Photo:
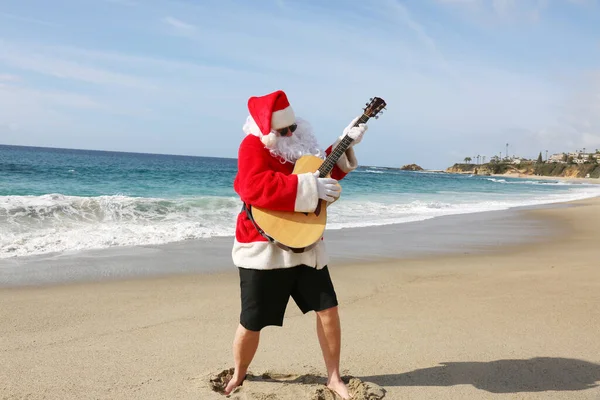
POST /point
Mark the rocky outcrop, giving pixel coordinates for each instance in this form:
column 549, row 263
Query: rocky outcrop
column 411, row 167
column 531, row 169
column 471, row 169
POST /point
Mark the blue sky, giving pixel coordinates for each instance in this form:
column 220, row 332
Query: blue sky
column 461, row 77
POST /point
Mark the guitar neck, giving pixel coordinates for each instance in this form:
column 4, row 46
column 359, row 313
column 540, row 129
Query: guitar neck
column 333, row 157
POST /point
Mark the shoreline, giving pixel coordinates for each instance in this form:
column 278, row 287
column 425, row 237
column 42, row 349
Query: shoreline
column 594, row 181
column 405, row 216
column 516, row 322
column 469, row 233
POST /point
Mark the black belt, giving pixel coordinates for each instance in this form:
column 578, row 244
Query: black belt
column 248, row 211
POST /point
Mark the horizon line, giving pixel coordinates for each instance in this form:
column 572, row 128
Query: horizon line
column 153, row 154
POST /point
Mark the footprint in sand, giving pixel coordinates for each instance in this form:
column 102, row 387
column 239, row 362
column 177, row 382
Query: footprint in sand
column 273, row 386
column 218, row 382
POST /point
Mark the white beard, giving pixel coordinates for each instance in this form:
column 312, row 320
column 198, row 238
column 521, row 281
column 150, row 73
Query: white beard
column 289, row 148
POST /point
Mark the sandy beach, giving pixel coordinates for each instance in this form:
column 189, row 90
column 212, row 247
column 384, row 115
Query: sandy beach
column 516, row 321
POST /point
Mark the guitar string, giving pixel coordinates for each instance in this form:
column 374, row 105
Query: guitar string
column 331, row 160
column 341, row 148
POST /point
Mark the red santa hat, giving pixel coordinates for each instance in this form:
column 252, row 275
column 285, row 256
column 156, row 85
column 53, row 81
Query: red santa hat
column 271, row 112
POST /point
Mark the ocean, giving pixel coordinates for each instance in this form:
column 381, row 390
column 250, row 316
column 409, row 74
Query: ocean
column 57, row 200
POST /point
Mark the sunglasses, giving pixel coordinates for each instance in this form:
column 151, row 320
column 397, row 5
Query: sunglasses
column 287, row 129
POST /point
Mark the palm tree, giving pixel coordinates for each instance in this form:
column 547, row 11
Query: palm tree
column 467, row 159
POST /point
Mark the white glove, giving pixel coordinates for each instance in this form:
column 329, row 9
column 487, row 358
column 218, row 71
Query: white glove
column 327, row 188
column 355, row 132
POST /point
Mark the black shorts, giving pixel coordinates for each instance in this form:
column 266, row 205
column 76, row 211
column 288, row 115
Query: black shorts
column 265, row 293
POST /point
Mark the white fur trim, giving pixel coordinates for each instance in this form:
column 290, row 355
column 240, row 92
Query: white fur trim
column 250, row 127
column 283, row 118
column 307, row 195
column 347, row 162
column 265, row 255
column 269, row 140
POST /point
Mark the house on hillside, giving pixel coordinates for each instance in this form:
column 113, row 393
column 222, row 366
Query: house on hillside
column 557, row 158
column 583, row 158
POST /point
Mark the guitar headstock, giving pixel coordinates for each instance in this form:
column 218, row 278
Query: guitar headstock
column 375, row 107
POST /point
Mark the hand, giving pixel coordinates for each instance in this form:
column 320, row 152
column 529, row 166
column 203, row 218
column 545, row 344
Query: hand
column 355, row 132
column 327, row 188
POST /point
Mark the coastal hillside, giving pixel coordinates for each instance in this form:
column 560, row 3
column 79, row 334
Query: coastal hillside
column 539, row 169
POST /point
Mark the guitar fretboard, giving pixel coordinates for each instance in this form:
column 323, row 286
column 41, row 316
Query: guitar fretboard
column 333, row 157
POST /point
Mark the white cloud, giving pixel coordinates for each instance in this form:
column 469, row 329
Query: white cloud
column 582, row 111
column 405, row 17
column 503, row 7
column 36, row 61
column 23, row 112
column 9, row 127
column 576, row 123
column 179, row 27
column 526, row 10
column 56, row 98
column 9, row 78
column 28, row 20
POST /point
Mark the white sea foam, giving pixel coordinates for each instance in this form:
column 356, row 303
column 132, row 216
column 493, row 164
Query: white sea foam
column 539, row 182
column 56, row 223
column 50, row 223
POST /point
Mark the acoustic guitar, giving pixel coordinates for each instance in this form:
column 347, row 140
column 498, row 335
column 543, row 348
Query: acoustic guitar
column 298, row 231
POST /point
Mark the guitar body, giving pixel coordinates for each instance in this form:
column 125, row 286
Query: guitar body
column 295, row 229
column 298, row 230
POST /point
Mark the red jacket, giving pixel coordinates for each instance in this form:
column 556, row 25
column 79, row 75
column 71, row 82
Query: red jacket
column 267, row 182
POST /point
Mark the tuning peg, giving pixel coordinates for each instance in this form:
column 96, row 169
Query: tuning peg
column 377, row 117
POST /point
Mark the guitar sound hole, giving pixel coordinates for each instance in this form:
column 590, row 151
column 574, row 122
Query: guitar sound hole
column 318, row 209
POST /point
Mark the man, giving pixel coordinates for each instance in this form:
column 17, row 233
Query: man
column 269, row 275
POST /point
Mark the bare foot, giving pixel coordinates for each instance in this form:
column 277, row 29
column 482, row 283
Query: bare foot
column 233, row 383
column 339, row 387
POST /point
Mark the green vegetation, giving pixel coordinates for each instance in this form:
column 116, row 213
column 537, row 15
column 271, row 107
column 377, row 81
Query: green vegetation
column 497, row 167
column 592, row 169
column 550, row 169
column 464, row 167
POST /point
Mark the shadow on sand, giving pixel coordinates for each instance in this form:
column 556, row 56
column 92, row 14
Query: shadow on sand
column 503, row 376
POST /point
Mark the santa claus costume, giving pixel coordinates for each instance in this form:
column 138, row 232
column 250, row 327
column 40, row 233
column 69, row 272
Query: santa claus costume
column 269, row 274
column 264, row 179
